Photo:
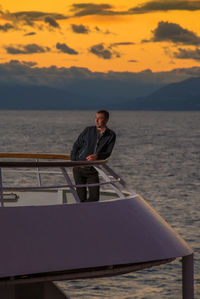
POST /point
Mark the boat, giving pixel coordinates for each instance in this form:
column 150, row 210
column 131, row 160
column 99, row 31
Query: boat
column 48, row 235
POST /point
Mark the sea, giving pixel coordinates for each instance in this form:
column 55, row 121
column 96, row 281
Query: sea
column 158, row 154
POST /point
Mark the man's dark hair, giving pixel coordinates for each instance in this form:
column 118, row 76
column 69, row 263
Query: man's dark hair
column 105, row 113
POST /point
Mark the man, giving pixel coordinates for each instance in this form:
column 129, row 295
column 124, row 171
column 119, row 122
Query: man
column 94, row 143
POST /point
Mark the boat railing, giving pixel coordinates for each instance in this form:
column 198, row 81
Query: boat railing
column 56, row 164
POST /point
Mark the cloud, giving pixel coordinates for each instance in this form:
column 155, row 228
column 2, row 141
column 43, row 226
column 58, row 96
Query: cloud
column 29, row 63
column 100, row 51
column 133, row 60
column 29, row 33
column 85, row 9
column 187, row 54
column 65, row 49
column 80, row 29
column 27, row 49
column 97, row 29
column 6, row 27
column 51, row 21
column 30, row 18
column 34, row 15
column 165, row 5
column 173, row 32
column 91, row 83
column 107, row 52
column 122, row 44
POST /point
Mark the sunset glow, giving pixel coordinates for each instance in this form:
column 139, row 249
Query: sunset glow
column 110, row 35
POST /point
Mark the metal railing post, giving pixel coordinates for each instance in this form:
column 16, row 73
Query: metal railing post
column 1, row 189
column 116, row 176
column 70, row 184
column 107, row 179
column 38, row 175
column 188, row 277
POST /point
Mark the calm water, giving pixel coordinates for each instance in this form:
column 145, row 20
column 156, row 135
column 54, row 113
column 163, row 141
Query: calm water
column 158, row 153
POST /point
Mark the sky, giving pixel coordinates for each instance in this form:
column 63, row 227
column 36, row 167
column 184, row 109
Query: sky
column 101, row 36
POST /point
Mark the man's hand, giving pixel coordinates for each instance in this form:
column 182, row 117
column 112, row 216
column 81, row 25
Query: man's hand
column 92, row 157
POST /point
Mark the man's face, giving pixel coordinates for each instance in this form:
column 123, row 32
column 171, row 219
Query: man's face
column 100, row 120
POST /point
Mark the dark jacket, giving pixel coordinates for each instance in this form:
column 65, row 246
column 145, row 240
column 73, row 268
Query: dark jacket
column 88, row 143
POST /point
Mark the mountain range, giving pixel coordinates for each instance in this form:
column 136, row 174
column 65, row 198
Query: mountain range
column 184, row 95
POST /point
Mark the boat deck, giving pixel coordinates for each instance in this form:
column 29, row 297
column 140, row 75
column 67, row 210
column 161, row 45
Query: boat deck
column 52, row 236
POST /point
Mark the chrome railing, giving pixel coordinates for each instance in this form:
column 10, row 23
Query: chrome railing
column 38, row 167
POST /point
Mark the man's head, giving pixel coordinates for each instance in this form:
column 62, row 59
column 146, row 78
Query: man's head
column 102, row 117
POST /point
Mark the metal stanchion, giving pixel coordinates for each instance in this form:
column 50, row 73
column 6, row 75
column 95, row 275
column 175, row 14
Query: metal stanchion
column 1, row 189
column 188, row 277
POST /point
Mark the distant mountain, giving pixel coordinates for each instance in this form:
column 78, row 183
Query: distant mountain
column 80, row 94
column 34, row 97
column 22, row 97
column 184, row 95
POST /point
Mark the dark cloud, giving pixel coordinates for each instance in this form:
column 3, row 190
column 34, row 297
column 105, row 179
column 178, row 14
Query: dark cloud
column 51, row 21
column 122, row 44
column 65, row 49
column 84, row 9
column 103, row 84
column 29, row 18
column 100, row 51
column 133, row 60
column 173, row 32
column 29, row 33
column 165, row 5
column 35, row 15
column 97, row 29
column 27, row 49
column 187, row 54
column 29, row 63
column 80, row 29
column 6, row 27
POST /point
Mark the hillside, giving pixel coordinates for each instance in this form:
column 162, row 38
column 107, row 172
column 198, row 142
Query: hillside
column 184, row 95
column 177, row 96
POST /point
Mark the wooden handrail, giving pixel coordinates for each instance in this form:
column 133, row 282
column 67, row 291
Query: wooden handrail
column 35, row 156
column 38, row 156
column 60, row 164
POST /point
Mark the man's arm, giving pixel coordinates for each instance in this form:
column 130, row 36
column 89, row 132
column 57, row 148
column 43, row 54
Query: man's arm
column 106, row 153
column 77, row 145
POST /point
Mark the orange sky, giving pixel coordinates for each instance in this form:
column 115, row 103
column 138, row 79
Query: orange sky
column 103, row 36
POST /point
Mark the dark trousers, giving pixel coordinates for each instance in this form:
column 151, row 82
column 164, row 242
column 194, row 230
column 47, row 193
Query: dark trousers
column 86, row 175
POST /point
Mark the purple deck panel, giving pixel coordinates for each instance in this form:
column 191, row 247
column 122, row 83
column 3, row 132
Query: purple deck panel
column 77, row 236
